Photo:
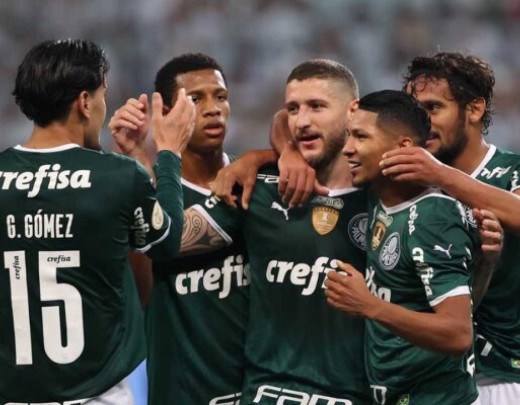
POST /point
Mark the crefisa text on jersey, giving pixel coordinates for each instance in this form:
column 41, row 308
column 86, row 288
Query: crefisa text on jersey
column 55, row 179
column 40, row 225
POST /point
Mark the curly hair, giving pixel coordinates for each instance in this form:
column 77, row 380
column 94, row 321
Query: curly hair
column 468, row 77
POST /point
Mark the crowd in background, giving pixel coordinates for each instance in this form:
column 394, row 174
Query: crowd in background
column 258, row 41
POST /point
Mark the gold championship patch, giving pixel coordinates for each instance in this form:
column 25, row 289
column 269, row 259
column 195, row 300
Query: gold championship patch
column 324, row 219
column 379, row 233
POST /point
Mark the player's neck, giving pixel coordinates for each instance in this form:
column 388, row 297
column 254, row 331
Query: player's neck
column 201, row 168
column 54, row 135
column 392, row 193
column 336, row 174
column 472, row 154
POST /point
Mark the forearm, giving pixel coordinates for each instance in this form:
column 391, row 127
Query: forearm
column 170, row 197
column 281, row 140
column 477, row 194
column 483, row 272
column 141, row 155
column 261, row 157
column 430, row 331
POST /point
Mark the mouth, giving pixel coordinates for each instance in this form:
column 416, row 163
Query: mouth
column 214, row 129
column 308, row 139
column 354, row 166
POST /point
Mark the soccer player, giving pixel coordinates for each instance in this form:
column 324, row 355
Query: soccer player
column 71, row 324
column 199, row 306
column 298, row 349
column 416, row 297
column 457, row 92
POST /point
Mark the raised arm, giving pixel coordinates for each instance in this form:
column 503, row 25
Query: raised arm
column 419, row 166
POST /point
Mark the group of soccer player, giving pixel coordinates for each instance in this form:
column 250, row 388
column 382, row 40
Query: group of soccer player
column 369, row 258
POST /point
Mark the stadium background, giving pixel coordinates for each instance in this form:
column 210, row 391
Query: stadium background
column 257, row 42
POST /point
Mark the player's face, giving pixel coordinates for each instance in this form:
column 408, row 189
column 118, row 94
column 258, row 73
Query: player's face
column 97, row 117
column 365, row 146
column 448, row 135
column 317, row 111
column 209, row 93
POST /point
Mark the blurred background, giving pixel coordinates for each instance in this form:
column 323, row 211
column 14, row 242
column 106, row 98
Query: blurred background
column 258, row 42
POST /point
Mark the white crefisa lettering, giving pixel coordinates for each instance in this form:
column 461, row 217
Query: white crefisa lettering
column 233, row 273
column 287, row 396
column 425, row 271
column 46, row 177
column 411, row 220
column 496, row 172
column 232, row 399
column 140, row 228
column 300, row 274
column 381, row 292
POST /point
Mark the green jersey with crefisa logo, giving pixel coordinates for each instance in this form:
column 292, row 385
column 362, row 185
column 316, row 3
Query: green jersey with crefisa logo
column 196, row 323
column 299, row 348
column 71, row 324
column 419, row 254
column 497, row 318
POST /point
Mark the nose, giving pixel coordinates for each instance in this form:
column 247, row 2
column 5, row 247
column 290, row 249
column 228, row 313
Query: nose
column 349, row 148
column 210, row 108
column 303, row 120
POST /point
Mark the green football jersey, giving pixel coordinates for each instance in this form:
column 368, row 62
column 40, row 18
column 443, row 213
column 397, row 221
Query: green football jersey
column 71, row 324
column 196, row 324
column 298, row 346
column 419, row 253
column 497, row 318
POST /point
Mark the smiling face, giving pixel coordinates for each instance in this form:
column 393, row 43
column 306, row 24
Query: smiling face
column 208, row 91
column 317, row 120
column 448, row 136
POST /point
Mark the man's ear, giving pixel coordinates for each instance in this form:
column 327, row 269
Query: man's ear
column 351, row 108
column 475, row 110
column 84, row 104
column 405, row 142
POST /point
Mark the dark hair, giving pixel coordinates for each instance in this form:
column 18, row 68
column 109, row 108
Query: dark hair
column 468, row 77
column 54, row 73
column 166, row 79
column 398, row 107
column 325, row 69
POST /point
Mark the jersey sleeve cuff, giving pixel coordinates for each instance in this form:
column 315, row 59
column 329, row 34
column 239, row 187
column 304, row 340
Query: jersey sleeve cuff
column 461, row 290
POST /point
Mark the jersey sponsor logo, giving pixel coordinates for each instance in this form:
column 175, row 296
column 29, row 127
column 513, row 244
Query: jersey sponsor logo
column 357, row 230
column 515, row 180
column 378, row 235
column 425, row 271
column 336, row 203
column 140, row 228
column 300, row 274
column 157, row 216
column 73, row 402
column 324, row 219
column 278, row 207
column 211, row 202
column 286, row 396
column 496, row 172
column 411, row 220
column 233, row 399
column 446, row 251
column 267, row 178
column 232, row 273
column 382, row 292
column 390, row 252
column 56, row 179
column 379, row 394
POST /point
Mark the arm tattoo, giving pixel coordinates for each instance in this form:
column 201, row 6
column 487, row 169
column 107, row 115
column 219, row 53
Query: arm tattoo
column 198, row 235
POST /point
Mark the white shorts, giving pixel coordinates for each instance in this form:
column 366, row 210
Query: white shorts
column 494, row 392
column 119, row 394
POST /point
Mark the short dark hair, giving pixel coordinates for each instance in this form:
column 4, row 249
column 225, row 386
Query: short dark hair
column 398, row 107
column 54, row 73
column 468, row 77
column 325, row 69
column 166, row 78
